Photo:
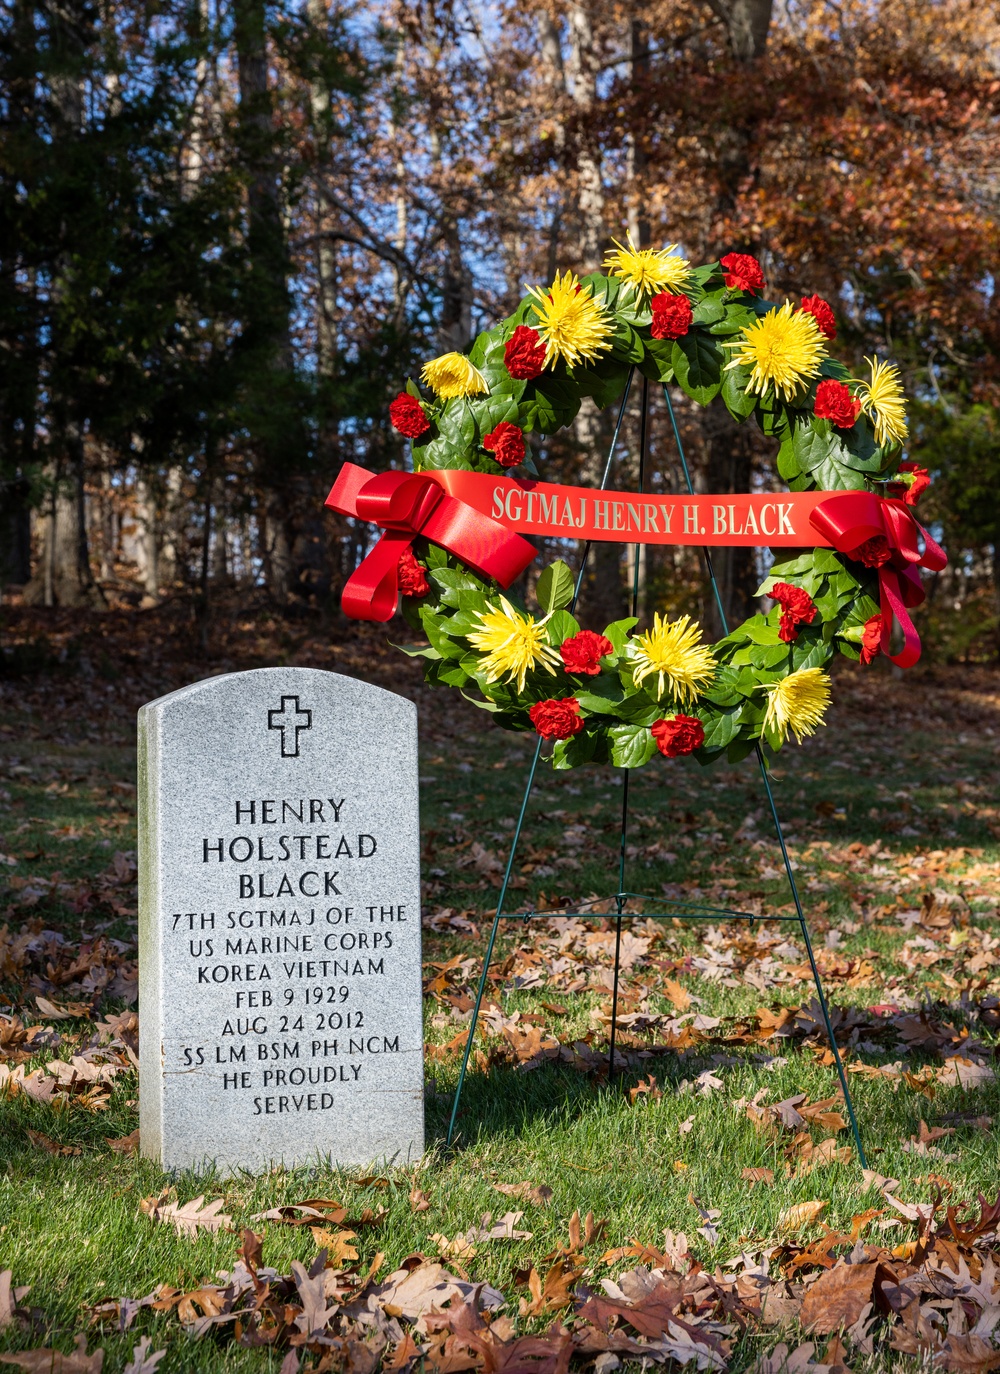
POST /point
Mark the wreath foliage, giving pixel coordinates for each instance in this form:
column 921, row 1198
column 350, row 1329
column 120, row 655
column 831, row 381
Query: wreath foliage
column 768, row 677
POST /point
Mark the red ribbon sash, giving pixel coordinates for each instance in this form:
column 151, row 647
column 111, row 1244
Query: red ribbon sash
column 407, row 504
column 474, row 516
column 849, row 520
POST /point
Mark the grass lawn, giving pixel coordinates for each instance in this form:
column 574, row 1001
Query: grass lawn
column 893, row 814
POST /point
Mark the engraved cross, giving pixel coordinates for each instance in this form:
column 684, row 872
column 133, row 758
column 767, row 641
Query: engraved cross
column 290, row 719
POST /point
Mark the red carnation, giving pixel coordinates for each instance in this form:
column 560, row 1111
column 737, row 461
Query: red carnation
column 679, row 735
column 871, row 639
column 582, row 653
column 873, row 552
column 557, row 719
column 524, row 353
column 911, row 491
column 835, row 402
column 823, row 311
column 506, row 443
column 410, row 576
column 407, row 416
column 671, row 316
column 797, row 608
column 742, row 272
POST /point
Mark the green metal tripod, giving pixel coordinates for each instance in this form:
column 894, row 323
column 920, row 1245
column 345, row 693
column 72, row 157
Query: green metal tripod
column 682, row 910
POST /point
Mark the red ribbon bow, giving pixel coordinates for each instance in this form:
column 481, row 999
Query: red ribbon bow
column 407, row 504
column 849, row 521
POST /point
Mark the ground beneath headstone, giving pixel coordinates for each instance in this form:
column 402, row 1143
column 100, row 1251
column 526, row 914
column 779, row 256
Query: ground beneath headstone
column 728, row 1215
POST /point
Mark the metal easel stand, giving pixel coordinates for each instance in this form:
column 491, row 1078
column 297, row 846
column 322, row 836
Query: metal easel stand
column 682, row 910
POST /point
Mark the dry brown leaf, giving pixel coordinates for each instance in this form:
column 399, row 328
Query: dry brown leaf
column 678, row 996
column 837, row 1298
column 142, row 1362
column 337, row 1245
column 315, row 1211
column 780, row 1361
column 646, row 1087
column 126, row 1144
column 188, row 1218
column 800, row 1217
column 10, row 1299
column 55, row 1362
column 555, row 1293
column 65, row 1011
column 51, row 1147
column 419, row 1200
column 540, row 1196
column 758, row 1175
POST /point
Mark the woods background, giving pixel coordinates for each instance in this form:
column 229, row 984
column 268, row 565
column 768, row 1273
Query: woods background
column 229, row 231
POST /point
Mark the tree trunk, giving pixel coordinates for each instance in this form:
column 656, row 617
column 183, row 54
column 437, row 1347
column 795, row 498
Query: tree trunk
column 280, row 441
column 730, row 456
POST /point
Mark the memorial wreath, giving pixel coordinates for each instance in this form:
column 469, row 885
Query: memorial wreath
column 846, row 544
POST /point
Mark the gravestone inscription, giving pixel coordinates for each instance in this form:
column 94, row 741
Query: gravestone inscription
column 279, row 923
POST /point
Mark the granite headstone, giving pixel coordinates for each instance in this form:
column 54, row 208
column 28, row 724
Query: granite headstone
column 279, row 923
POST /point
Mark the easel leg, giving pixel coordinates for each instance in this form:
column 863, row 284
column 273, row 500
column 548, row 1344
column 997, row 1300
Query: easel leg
column 803, row 926
column 492, row 942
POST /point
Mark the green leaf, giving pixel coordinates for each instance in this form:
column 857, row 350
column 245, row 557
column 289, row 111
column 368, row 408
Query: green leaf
column 658, row 364
column 604, row 381
column 787, row 463
column 436, row 628
column 626, row 344
column 722, row 728
column 554, row 588
column 710, row 309
column 441, row 453
column 697, row 361
column 821, row 454
column 571, row 753
column 618, row 632
column 549, row 403
column 416, row 650
column 631, row 745
column 561, row 626
column 738, row 401
column 603, row 696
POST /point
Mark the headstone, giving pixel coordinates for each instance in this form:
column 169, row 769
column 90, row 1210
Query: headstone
column 279, row 923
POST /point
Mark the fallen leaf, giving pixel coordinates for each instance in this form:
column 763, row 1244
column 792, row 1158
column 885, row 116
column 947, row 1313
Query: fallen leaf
column 337, row 1245
column 646, row 1087
column 55, row 1362
column 142, row 1362
column 540, row 1196
column 781, row 1362
column 959, row 1072
column 51, row 1147
column 678, row 996
column 419, row 1201
column 126, row 1144
column 800, row 1217
column 65, row 1011
column 758, row 1175
column 10, row 1298
column 187, row 1219
column 555, row 1292
column 315, row 1211
column 837, row 1298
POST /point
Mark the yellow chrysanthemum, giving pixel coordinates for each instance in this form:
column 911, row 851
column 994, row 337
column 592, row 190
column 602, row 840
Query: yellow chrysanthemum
column 513, row 644
column 453, row 375
column 573, row 325
column 673, row 650
column 798, row 703
column 785, row 349
column 882, row 399
column 649, row 270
